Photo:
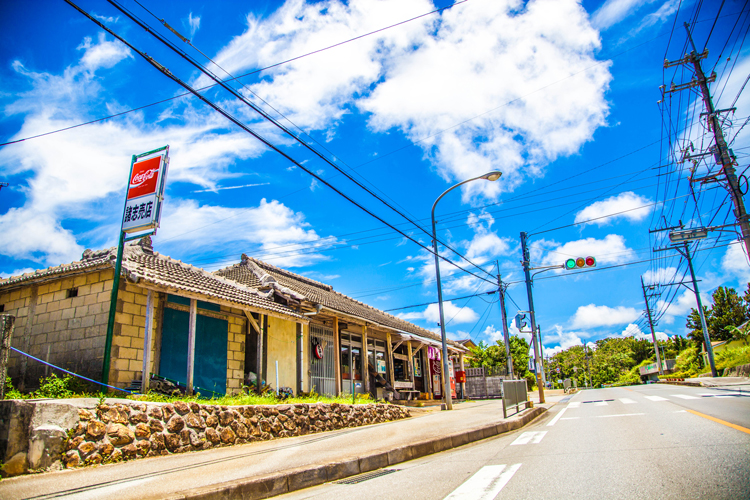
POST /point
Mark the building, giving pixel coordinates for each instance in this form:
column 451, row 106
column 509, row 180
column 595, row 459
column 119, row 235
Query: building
column 212, row 332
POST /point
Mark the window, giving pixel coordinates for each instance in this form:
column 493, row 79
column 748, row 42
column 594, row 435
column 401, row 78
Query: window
column 2, row 308
column 72, row 292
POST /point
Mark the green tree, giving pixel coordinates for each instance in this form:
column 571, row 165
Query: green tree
column 728, row 310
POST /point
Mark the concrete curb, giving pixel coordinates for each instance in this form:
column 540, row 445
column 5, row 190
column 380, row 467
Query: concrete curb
column 297, row 479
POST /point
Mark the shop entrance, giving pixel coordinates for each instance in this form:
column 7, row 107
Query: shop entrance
column 322, row 359
column 351, row 363
column 377, row 367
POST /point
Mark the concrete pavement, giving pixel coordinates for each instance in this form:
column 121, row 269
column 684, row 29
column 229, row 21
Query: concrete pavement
column 265, row 469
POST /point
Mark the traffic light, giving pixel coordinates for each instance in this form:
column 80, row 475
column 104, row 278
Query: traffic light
column 579, row 263
column 520, row 321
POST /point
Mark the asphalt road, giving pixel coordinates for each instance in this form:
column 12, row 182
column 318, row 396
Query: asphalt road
column 638, row 442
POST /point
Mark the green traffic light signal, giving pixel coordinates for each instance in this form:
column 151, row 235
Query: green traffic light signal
column 570, row 264
column 579, row 263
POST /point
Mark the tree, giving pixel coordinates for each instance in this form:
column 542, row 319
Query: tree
column 728, row 309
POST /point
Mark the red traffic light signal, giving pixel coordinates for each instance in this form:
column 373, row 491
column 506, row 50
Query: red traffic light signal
column 579, row 263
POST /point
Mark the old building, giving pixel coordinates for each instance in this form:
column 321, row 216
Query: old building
column 213, row 332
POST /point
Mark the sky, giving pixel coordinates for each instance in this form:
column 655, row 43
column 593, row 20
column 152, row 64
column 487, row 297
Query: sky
column 407, row 98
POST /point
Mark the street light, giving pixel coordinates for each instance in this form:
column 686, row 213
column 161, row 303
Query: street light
column 489, row 176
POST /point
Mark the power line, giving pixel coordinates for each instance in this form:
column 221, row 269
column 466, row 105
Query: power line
column 234, row 120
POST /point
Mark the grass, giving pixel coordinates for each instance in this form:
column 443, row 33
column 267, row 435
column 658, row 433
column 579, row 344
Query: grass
column 69, row 387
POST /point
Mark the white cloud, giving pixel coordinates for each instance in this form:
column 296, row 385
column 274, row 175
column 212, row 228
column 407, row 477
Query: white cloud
column 271, row 231
column 735, row 263
column 593, row 316
column 83, row 176
column 481, row 249
column 634, row 330
column 610, row 250
column 628, row 203
column 563, row 339
column 614, row 11
column 504, row 66
column 194, row 23
column 452, row 313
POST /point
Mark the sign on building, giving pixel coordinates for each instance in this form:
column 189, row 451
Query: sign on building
column 148, row 174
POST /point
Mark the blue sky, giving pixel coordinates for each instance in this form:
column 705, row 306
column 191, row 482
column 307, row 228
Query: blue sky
column 561, row 96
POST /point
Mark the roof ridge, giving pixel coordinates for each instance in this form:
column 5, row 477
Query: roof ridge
column 292, row 275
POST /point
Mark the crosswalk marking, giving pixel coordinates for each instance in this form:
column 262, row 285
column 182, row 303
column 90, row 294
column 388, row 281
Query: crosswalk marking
column 627, row 401
column 600, row 403
column 532, row 437
column 656, row 398
column 485, row 484
column 575, row 404
column 684, row 396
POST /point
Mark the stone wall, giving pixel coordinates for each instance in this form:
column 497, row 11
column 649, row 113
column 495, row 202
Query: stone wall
column 114, row 432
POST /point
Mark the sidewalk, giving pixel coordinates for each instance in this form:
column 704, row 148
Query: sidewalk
column 711, row 381
column 264, row 469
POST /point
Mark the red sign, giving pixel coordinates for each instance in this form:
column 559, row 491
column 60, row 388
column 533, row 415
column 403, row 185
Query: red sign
column 143, row 180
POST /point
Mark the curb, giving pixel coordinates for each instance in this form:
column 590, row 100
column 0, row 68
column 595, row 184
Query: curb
column 297, row 479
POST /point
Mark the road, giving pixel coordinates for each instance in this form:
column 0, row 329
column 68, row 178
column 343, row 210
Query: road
column 637, row 442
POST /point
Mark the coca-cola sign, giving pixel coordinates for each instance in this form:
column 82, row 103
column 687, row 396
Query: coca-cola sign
column 144, row 197
column 144, row 178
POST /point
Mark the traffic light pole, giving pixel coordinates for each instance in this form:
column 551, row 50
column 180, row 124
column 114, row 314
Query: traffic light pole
column 651, row 325
column 506, row 335
column 527, row 273
column 706, row 337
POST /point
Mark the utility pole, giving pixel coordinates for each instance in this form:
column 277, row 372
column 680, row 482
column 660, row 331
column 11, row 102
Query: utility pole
column 541, row 354
column 526, row 261
column 588, row 365
column 706, row 337
column 501, row 287
column 651, row 325
column 723, row 155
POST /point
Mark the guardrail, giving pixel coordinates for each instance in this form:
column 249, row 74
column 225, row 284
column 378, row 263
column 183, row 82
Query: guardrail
column 514, row 395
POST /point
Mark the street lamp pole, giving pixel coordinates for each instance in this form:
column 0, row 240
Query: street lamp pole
column 490, row 176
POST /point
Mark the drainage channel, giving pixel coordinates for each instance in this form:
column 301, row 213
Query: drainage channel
column 364, row 477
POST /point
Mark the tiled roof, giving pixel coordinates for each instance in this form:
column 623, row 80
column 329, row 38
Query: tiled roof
column 140, row 262
column 251, row 272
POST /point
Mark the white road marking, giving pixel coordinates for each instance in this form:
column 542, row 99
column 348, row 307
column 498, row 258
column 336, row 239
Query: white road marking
column 627, row 401
column 620, row 415
column 533, row 437
column 684, row 396
column 600, row 403
column 575, row 404
column 557, row 417
column 485, row 484
column 656, row 398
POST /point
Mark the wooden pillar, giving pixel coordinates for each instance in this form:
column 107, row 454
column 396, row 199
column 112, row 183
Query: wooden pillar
column 300, row 359
column 337, row 353
column 389, row 348
column 191, row 345
column 147, row 341
column 410, row 366
column 365, row 362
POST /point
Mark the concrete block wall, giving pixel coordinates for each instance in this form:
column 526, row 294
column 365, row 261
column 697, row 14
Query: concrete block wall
column 129, row 333
column 65, row 331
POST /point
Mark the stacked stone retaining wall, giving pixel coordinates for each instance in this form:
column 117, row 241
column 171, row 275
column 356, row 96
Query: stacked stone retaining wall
column 114, row 432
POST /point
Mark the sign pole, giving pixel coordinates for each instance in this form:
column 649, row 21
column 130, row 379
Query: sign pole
column 142, row 211
column 112, row 310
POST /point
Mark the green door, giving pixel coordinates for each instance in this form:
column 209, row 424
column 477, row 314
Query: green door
column 210, row 375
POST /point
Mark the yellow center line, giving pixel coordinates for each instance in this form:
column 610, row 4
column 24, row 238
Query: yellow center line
column 722, row 422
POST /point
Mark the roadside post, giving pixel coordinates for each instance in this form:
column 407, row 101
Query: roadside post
column 141, row 217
